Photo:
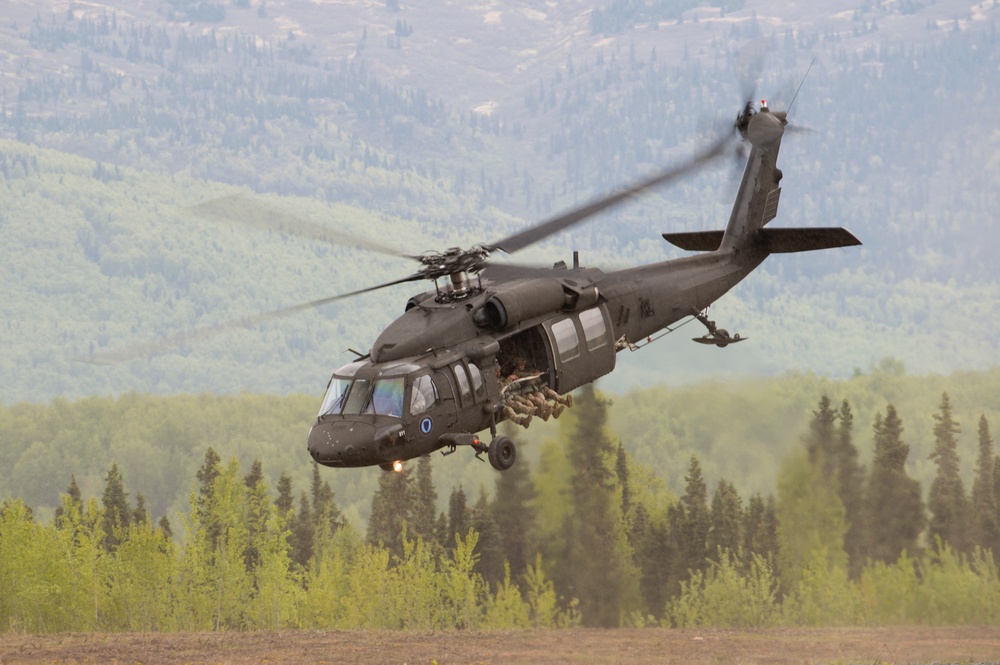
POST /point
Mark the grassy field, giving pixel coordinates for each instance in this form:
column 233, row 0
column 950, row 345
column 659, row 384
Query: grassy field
column 896, row 645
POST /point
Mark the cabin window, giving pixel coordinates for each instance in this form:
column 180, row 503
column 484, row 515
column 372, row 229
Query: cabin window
column 423, row 395
column 463, row 383
column 478, row 387
column 567, row 341
column 387, row 398
column 594, row 329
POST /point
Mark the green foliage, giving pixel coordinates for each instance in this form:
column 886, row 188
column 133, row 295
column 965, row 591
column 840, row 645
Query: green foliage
column 893, row 508
column 947, row 501
column 823, row 594
column 810, row 520
column 724, row 595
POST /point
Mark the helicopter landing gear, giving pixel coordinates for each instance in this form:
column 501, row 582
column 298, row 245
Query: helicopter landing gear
column 500, row 450
column 720, row 337
column 502, row 453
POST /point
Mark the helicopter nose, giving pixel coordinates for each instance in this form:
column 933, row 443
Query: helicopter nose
column 343, row 443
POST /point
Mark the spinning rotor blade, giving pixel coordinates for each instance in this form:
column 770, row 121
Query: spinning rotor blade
column 545, row 229
column 207, row 332
column 242, row 210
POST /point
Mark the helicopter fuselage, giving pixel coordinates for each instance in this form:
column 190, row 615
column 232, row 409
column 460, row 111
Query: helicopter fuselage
column 445, row 370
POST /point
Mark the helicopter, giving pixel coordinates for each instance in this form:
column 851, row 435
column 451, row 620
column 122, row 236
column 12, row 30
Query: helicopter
column 495, row 342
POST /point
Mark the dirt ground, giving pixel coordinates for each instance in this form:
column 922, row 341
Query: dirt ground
column 833, row 646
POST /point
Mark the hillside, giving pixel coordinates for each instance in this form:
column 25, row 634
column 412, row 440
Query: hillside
column 450, row 124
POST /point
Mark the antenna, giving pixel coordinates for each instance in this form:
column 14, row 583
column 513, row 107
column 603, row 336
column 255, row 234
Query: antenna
column 788, row 111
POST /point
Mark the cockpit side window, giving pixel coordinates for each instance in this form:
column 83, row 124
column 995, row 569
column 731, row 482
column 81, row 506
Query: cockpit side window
column 386, row 398
column 423, row 395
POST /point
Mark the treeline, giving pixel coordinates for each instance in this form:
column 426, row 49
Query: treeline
column 589, row 537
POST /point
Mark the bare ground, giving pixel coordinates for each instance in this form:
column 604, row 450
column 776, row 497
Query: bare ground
column 834, row 646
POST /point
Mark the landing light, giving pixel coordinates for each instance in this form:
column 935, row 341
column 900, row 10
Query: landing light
column 397, row 466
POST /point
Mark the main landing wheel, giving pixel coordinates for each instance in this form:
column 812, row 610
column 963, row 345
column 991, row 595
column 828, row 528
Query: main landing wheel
column 502, row 453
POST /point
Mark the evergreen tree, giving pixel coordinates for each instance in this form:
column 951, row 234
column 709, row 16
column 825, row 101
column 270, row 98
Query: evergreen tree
column 489, row 548
column 760, row 529
column 326, row 514
column 514, row 514
column 75, row 499
column 650, row 540
column 689, row 526
column 258, row 513
column 284, row 503
column 117, row 512
column 985, row 510
column 140, row 515
column 423, row 503
column 821, row 442
column 164, row 526
column 726, row 518
column 597, row 566
column 302, row 531
column 811, row 523
column 948, row 503
column 893, row 508
column 209, row 471
column 851, row 488
column 390, row 511
column 458, row 515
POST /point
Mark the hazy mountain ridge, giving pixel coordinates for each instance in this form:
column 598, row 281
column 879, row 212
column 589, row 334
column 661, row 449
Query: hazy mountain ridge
column 476, row 119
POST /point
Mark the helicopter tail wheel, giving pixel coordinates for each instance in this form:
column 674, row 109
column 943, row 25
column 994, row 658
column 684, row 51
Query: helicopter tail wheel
column 502, row 453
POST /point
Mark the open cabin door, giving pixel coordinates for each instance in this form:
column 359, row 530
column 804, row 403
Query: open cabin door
column 567, row 351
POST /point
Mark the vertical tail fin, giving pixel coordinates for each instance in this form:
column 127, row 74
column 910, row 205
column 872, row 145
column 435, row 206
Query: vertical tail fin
column 757, row 199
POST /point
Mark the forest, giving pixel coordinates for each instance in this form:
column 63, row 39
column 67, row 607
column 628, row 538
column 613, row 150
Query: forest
column 580, row 533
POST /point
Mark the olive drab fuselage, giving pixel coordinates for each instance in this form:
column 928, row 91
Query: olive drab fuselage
column 435, row 377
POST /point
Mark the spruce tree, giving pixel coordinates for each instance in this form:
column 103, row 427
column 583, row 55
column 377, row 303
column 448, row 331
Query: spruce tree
column 597, row 567
column 948, row 503
column 489, row 548
column 285, row 503
column 851, row 488
column 985, row 510
column 726, row 521
column 302, row 531
column 515, row 516
column 458, row 514
column 821, row 443
column 117, row 512
column 326, row 515
column 140, row 515
column 423, row 503
column 75, row 499
column 760, row 529
column 390, row 511
column 207, row 474
column 893, row 508
column 697, row 521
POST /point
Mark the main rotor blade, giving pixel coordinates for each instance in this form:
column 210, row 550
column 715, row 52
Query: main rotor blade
column 200, row 334
column 534, row 234
column 242, row 210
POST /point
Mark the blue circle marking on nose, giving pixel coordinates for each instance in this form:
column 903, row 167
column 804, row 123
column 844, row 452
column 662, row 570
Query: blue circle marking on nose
column 425, row 425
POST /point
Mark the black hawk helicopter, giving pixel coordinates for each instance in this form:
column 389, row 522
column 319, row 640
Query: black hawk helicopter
column 494, row 342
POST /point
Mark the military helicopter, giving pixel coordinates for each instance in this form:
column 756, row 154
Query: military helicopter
column 494, row 342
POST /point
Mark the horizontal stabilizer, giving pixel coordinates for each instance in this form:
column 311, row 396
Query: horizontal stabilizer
column 695, row 241
column 777, row 241
column 783, row 241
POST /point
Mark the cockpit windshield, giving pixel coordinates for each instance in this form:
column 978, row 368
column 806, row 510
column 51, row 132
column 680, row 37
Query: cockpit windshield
column 351, row 396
